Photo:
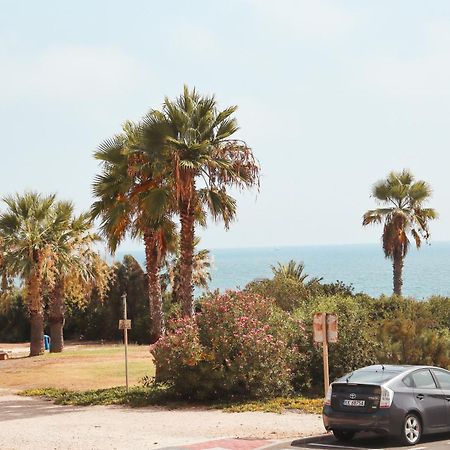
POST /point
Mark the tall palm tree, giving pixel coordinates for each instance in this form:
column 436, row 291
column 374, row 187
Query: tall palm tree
column 403, row 214
column 192, row 140
column 131, row 199
column 27, row 230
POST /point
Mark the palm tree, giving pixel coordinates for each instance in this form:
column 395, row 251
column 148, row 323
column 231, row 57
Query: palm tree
column 27, row 231
column 192, row 140
column 294, row 271
column 131, row 199
column 403, row 214
column 201, row 271
column 79, row 269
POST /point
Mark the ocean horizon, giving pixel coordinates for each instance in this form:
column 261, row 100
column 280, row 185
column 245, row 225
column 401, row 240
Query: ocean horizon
column 426, row 271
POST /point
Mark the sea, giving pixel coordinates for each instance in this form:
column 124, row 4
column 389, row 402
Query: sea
column 426, row 271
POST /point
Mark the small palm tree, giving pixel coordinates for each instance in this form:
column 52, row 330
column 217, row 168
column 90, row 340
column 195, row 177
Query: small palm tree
column 403, row 214
column 192, row 140
column 294, row 271
column 79, row 269
column 27, row 230
column 201, row 271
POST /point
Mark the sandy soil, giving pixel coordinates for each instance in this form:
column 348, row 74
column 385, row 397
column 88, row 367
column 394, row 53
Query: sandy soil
column 30, row 423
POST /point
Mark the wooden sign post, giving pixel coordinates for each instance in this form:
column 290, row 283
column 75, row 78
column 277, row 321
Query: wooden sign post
column 125, row 325
column 325, row 331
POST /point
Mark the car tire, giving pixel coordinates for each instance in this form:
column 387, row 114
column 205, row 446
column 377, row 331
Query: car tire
column 343, row 435
column 412, row 429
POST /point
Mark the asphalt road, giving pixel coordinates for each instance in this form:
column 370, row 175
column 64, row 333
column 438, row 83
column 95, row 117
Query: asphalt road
column 365, row 441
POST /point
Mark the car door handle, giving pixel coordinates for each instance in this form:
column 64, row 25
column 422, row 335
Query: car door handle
column 447, row 398
column 420, row 396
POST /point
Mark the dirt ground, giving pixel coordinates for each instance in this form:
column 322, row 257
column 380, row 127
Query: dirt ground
column 30, row 423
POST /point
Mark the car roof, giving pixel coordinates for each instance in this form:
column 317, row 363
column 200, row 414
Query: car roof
column 395, row 367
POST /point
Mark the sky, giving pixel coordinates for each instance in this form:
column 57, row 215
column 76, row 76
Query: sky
column 332, row 96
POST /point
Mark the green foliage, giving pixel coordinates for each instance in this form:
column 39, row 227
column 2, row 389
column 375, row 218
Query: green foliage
column 279, row 405
column 237, row 346
column 136, row 397
column 291, row 288
column 14, row 325
column 98, row 318
column 408, row 341
column 159, row 394
column 288, row 293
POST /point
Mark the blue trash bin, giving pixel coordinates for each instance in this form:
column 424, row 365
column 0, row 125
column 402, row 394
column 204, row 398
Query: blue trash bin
column 46, row 342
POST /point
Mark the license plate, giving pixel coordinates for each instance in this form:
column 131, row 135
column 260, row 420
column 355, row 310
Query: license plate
column 354, row 402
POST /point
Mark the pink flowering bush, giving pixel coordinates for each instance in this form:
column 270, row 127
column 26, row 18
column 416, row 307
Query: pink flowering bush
column 240, row 345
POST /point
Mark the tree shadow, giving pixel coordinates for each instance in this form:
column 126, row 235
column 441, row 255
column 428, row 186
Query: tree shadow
column 17, row 408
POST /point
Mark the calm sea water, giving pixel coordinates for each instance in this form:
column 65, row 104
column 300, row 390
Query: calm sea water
column 426, row 272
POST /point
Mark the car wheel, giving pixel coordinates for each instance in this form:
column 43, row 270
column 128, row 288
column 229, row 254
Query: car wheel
column 412, row 429
column 343, row 435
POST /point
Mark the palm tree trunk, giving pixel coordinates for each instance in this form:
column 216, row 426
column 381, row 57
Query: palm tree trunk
column 398, row 270
column 185, row 288
column 37, row 333
column 57, row 318
column 36, row 316
column 154, row 287
column 176, row 283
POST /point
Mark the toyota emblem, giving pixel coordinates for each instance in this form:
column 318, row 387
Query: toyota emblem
column 352, row 396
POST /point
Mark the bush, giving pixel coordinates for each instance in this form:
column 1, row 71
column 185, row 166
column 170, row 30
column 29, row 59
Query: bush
column 240, row 345
column 407, row 341
column 357, row 340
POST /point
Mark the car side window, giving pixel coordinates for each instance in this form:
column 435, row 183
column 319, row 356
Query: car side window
column 408, row 381
column 423, row 379
column 443, row 379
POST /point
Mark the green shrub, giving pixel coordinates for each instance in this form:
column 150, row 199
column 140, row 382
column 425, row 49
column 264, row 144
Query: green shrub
column 408, row 341
column 357, row 340
column 240, row 345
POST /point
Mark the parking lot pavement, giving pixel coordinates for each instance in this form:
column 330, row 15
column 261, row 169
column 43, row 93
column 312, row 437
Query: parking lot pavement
column 364, row 441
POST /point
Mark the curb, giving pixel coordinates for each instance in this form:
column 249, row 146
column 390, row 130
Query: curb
column 295, row 442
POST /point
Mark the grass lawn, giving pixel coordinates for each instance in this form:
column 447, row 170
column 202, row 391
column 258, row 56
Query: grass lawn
column 79, row 367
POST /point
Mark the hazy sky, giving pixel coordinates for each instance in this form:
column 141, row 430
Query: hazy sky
column 332, row 95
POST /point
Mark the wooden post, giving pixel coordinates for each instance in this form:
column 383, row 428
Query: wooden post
column 326, row 371
column 125, row 338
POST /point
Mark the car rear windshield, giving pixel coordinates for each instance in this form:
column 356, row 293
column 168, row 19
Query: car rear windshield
column 368, row 376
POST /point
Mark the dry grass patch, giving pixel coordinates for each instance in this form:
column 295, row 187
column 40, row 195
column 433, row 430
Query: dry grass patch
column 79, row 367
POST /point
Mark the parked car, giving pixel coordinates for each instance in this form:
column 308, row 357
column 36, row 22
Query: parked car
column 400, row 401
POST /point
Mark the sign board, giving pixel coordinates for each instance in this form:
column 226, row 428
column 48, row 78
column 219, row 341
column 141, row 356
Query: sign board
column 125, row 324
column 318, row 327
column 332, row 326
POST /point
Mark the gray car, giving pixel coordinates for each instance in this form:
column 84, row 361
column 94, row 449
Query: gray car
column 400, row 401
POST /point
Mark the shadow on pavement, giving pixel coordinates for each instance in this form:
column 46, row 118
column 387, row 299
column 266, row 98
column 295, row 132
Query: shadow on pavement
column 18, row 408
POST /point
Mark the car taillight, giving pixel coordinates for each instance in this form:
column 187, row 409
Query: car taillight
column 387, row 395
column 328, row 396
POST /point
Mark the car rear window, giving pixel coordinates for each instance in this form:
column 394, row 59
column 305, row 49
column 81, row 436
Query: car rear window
column 423, row 379
column 443, row 378
column 368, row 376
